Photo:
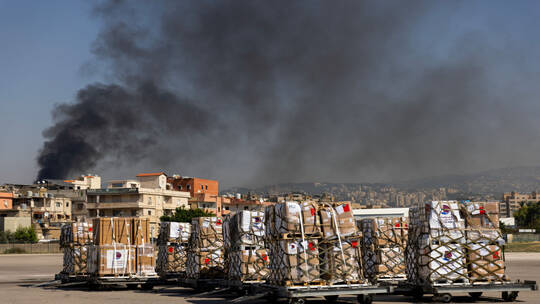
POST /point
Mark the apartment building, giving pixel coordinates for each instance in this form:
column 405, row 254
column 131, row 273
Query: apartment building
column 512, row 201
column 6, row 200
column 41, row 206
column 149, row 195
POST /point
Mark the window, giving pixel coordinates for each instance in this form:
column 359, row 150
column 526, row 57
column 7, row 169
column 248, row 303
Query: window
column 80, row 206
column 150, row 200
column 58, row 204
column 67, row 204
column 6, row 203
column 149, row 212
column 246, row 208
column 179, row 187
column 202, row 187
column 227, row 208
column 188, row 187
column 206, row 187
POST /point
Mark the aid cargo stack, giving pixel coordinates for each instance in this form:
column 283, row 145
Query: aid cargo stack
column 121, row 248
column 172, row 249
column 312, row 243
column 75, row 239
column 293, row 234
column 485, row 257
column 246, row 255
column 436, row 253
column 205, row 258
column 383, row 248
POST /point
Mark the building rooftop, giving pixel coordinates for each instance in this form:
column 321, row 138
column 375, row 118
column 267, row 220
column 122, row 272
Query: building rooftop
column 150, row 174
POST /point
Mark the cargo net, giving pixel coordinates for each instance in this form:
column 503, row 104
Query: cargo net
column 173, row 233
column 205, row 256
column 75, row 261
column 441, row 251
column 244, row 237
column 78, row 233
column 171, row 259
column 329, row 253
column 383, row 248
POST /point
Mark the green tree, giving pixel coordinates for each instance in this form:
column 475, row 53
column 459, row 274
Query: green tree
column 27, row 235
column 184, row 215
column 528, row 216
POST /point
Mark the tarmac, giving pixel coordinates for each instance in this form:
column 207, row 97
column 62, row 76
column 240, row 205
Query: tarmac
column 20, row 273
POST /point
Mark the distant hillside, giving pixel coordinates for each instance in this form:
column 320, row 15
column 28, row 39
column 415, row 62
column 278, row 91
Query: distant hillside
column 497, row 181
column 492, row 182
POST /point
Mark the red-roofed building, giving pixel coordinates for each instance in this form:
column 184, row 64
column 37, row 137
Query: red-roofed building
column 195, row 185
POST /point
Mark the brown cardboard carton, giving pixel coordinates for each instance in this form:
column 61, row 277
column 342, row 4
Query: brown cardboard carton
column 103, row 230
column 146, row 260
column 116, row 260
column 327, row 224
column 140, row 231
column 486, row 270
column 484, row 252
column 205, row 226
column 310, row 217
column 287, row 217
column 122, row 230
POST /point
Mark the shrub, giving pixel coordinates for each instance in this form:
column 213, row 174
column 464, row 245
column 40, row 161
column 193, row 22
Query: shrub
column 185, row 215
column 14, row 250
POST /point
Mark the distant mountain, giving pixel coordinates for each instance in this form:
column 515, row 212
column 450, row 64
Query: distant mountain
column 497, row 181
column 491, row 182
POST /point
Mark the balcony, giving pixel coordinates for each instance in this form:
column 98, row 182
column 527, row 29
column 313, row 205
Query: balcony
column 114, row 205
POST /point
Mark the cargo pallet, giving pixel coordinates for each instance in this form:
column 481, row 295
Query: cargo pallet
column 299, row 294
column 443, row 293
column 132, row 281
column 202, row 284
column 66, row 278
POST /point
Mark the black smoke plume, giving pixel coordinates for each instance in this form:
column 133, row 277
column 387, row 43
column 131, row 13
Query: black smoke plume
column 255, row 92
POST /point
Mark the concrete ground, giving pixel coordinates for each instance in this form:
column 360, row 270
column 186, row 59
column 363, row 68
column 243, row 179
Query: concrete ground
column 19, row 272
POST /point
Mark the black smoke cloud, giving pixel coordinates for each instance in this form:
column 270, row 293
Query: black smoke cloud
column 275, row 91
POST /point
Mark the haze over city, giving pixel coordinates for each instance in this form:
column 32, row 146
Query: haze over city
column 257, row 92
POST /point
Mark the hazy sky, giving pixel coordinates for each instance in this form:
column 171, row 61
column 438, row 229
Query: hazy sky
column 344, row 94
column 43, row 46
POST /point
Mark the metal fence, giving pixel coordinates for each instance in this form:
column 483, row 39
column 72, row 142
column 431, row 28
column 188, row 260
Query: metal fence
column 523, row 238
column 32, row 248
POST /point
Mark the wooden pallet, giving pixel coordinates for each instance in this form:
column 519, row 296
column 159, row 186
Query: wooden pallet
column 298, row 235
column 311, row 283
column 459, row 281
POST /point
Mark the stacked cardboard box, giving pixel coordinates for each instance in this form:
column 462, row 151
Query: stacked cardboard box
column 122, row 248
column 340, row 250
column 75, row 260
column 174, row 233
column 435, row 250
column 246, row 256
column 77, row 233
column 293, row 252
column 172, row 248
column 74, row 239
column 484, row 241
column 205, row 258
column 312, row 243
column 171, row 259
column 383, row 248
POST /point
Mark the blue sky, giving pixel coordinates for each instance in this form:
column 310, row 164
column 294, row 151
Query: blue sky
column 44, row 44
